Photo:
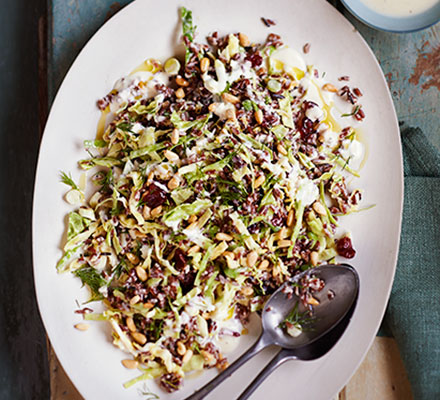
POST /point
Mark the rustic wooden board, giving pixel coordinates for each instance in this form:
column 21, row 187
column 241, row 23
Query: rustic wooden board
column 380, row 376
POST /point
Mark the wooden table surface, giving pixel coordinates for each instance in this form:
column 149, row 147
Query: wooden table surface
column 40, row 40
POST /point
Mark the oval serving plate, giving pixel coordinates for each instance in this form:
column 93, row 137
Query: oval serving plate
column 147, row 29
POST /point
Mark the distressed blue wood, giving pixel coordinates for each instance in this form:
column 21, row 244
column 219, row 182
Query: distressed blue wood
column 403, row 57
column 71, row 24
column 411, row 62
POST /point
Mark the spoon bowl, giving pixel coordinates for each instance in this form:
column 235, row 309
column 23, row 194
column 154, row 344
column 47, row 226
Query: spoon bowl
column 335, row 300
column 330, row 319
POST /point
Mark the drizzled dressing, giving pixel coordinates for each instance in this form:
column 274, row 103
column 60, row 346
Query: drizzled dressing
column 400, row 8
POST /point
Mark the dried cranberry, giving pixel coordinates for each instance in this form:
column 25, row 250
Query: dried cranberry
column 154, row 196
column 344, row 247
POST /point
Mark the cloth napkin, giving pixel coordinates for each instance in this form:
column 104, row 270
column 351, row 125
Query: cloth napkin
column 413, row 314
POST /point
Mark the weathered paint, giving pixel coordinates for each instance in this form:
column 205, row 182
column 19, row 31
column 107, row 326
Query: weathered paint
column 427, row 65
column 409, row 61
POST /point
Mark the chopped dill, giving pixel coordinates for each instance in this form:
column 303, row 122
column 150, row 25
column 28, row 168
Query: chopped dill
column 301, row 320
column 354, row 112
column 67, row 180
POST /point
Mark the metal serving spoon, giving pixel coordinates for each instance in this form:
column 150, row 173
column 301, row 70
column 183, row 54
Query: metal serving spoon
column 336, row 304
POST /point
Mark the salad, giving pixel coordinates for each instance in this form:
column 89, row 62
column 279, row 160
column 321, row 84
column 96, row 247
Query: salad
column 217, row 178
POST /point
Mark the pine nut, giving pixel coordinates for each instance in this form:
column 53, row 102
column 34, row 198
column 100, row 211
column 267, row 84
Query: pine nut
column 259, row 181
column 207, row 356
column 229, row 98
column 173, row 183
column 229, row 254
column 232, row 264
column 252, row 258
column 155, row 212
column 282, row 233
column 258, row 116
column 263, row 265
column 290, row 218
column 276, row 271
column 223, row 236
column 193, row 250
column 148, row 305
column 171, row 156
column 319, row 208
column 181, row 82
column 139, row 337
column 134, row 259
column 181, row 348
column 175, row 134
column 192, row 218
column 141, row 273
column 82, row 326
column 212, row 107
column 284, row 243
column 180, row 93
column 130, row 364
column 204, row 64
column 146, row 212
column 223, row 365
column 134, row 300
column 130, row 324
column 314, row 257
column 247, row 291
column 330, row 88
column 150, row 177
column 230, row 113
column 312, row 301
column 244, row 40
column 187, row 356
column 281, row 149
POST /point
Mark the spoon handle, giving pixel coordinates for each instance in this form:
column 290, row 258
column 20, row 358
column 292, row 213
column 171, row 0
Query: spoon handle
column 280, row 358
column 252, row 351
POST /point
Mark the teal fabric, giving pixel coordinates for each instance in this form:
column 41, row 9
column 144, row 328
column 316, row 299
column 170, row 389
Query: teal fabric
column 413, row 314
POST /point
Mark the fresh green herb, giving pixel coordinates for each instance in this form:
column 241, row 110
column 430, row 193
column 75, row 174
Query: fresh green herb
column 90, row 277
column 124, row 126
column 227, row 87
column 247, row 105
column 231, row 191
column 354, row 112
column 198, row 123
column 154, row 329
column 150, row 395
column 301, row 320
column 67, row 179
column 188, row 29
column 95, row 144
column 219, row 165
column 104, row 179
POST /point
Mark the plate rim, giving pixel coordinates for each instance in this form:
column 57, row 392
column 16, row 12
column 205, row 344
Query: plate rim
column 56, row 347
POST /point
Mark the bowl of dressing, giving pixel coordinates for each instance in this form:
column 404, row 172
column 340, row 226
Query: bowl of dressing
column 395, row 15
